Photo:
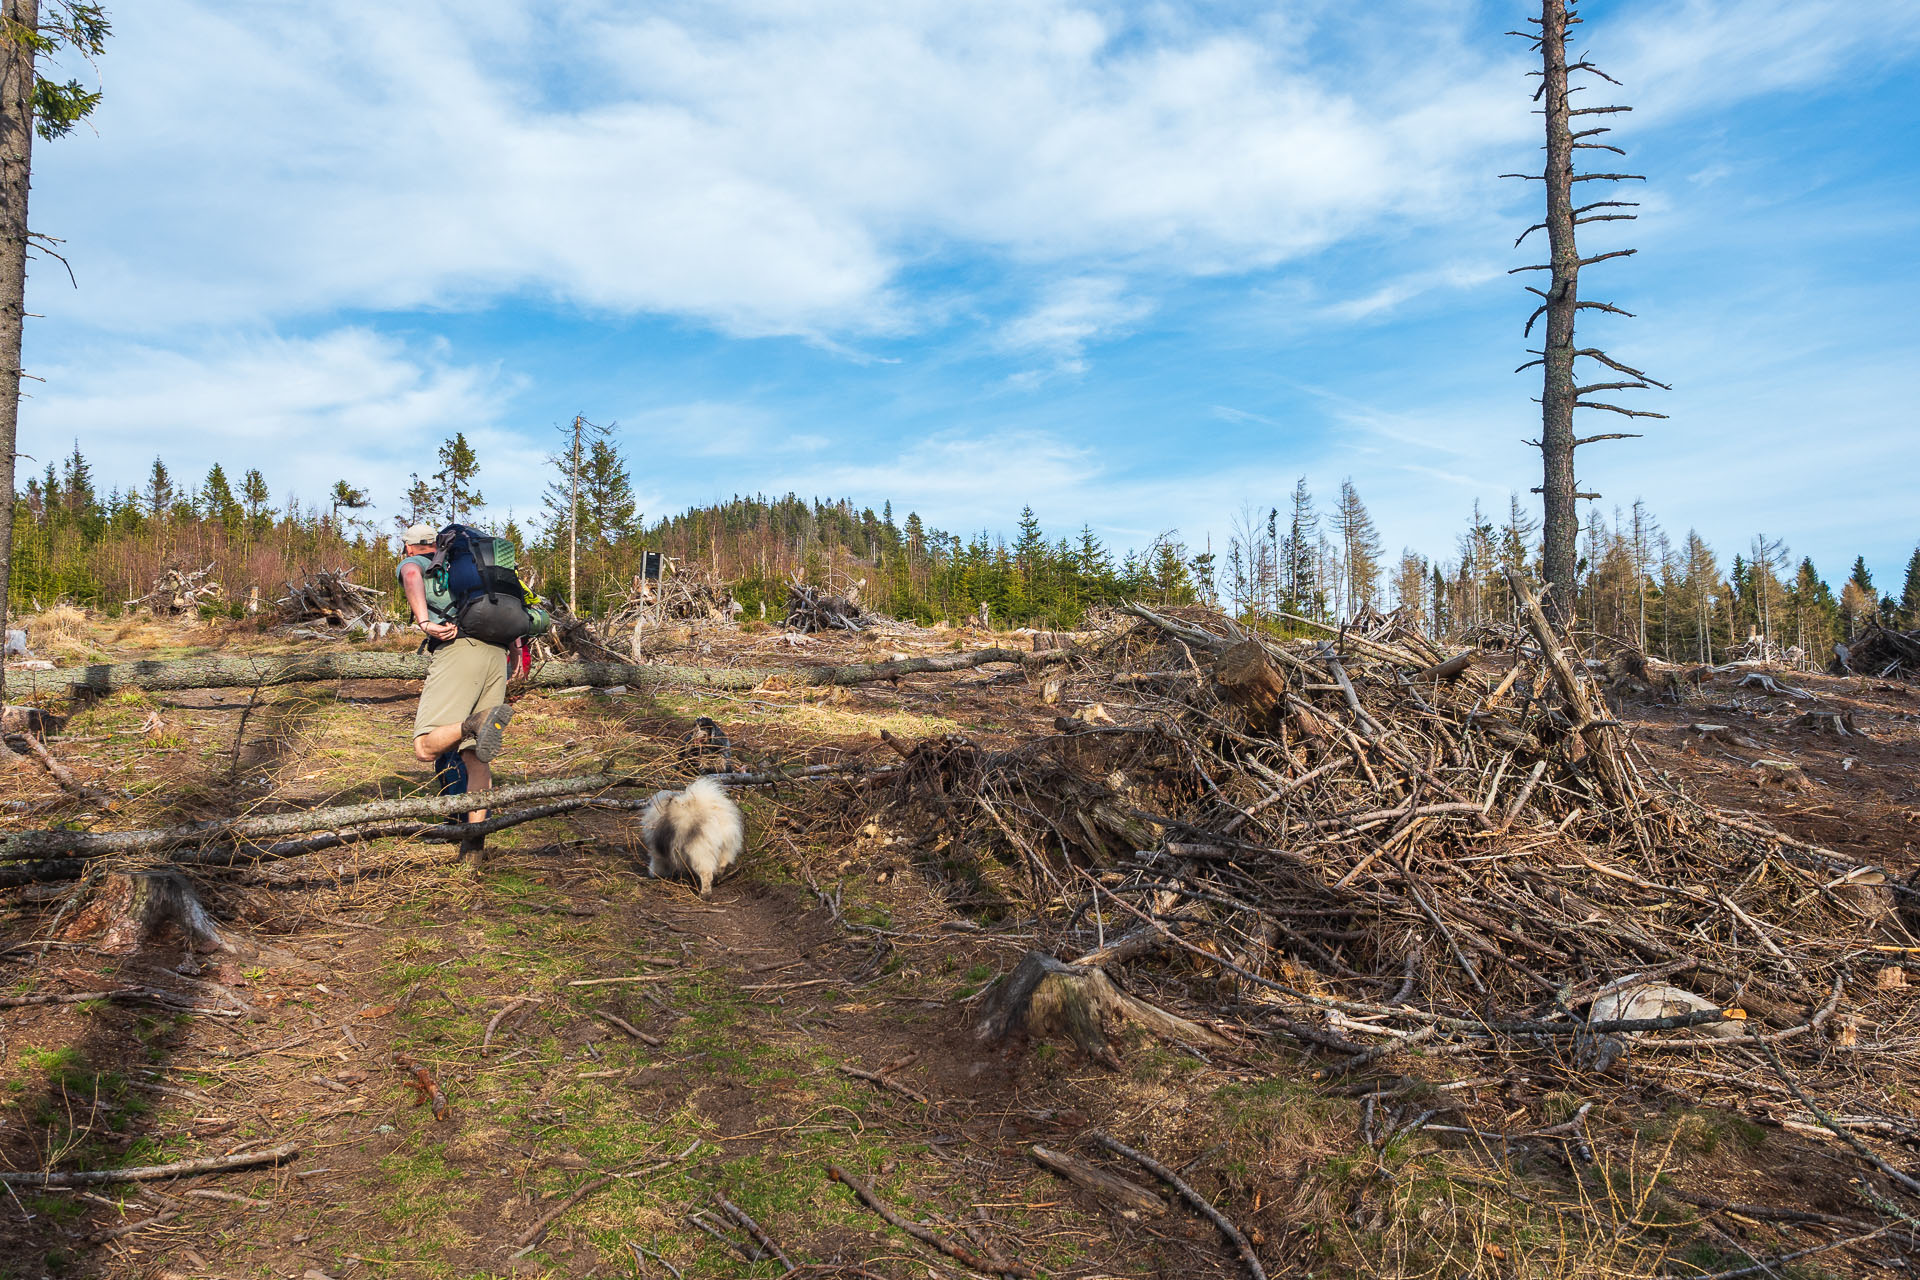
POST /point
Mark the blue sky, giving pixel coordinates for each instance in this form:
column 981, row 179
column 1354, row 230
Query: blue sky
column 1137, row 265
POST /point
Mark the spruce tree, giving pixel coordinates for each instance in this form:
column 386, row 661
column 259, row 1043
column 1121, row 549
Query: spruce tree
column 1860, row 577
column 607, row 508
column 1910, row 594
column 458, row 467
column 417, row 503
column 1029, row 562
column 1360, row 548
column 1301, row 561
column 1409, row 586
column 344, row 497
column 77, row 486
column 217, row 500
column 257, row 500
column 30, row 105
column 161, row 493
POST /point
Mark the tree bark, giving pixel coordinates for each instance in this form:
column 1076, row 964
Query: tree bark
column 223, row 672
column 1560, row 527
column 131, row 910
column 1129, row 1198
column 16, row 161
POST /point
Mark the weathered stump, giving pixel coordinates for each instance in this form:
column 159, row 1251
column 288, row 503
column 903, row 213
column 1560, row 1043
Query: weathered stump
column 134, row 910
column 1246, row 678
column 1044, row 996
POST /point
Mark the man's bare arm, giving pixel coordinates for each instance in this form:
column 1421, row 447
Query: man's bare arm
column 415, row 586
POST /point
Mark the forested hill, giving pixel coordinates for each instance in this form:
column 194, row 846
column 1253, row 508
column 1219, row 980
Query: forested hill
column 914, row 571
column 1670, row 595
column 74, row 543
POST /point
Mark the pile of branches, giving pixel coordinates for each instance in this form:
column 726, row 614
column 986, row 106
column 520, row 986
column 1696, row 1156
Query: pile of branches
column 179, row 590
column 1879, row 651
column 687, row 596
column 812, row 609
column 329, row 596
column 1758, row 650
column 574, row 638
column 1372, row 844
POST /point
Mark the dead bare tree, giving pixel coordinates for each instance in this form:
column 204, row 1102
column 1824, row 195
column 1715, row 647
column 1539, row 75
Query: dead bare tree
column 1560, row 301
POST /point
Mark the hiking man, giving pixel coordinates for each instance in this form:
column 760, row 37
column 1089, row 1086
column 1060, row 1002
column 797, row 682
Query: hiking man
column 463, row 711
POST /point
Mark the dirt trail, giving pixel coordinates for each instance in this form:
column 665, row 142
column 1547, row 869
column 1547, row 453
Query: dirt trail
column 746, row 1014
column 756, row 1000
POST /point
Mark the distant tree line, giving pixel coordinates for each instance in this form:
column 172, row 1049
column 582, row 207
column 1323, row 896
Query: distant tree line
column 1670, row 596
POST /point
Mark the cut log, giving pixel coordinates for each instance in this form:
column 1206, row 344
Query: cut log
column 1044, row 996
column 227, row 672
column 30, row 856
column 1247, row 679
column 1452, row 669
column 131, row 911
column 1129, row 1199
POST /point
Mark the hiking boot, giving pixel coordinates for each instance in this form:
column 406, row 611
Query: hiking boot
column 486, row 728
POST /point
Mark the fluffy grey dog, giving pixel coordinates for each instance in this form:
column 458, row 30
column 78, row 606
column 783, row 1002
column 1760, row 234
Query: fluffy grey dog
column 696, row 833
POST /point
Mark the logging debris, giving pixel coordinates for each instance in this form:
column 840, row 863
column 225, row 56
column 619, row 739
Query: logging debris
column 329, row 596
column 1364, row 845
column 813, row 609
column 688, row 594
column 1881, row 652
column 177, row 591
column 426, row 1089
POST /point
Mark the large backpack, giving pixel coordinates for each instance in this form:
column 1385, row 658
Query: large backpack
column 489, row 604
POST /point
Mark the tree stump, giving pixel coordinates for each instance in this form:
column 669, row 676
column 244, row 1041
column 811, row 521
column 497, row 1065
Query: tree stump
column 1246, row 678
column 134, row 910
column 1044, row 996
column 31, row 720
column 1838, row 723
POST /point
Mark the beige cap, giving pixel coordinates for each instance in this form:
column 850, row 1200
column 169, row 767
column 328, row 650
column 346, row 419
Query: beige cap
column 421, row 535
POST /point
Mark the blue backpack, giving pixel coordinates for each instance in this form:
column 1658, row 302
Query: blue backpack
column 489, row 603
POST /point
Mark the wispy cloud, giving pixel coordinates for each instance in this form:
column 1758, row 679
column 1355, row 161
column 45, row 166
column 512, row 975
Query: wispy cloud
column 1074, row 314
column 1391, row 296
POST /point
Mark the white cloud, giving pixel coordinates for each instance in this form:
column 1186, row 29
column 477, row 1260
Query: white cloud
column 1676, row 55
column 766, row 168
column 349, row 405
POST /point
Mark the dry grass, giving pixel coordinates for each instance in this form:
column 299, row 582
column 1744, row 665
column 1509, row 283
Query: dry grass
column 64, row 634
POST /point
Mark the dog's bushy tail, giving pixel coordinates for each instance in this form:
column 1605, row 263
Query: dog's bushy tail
column 711, row 828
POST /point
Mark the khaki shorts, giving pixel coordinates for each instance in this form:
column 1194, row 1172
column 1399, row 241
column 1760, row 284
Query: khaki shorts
column 464, row 677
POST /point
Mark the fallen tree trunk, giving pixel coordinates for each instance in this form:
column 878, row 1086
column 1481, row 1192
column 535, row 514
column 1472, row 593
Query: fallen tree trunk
column 230, row 672
column 37, row 856
column 44, row 844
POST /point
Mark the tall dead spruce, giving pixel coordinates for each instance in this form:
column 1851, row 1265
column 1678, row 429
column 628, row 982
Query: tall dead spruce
column 1560, row 301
